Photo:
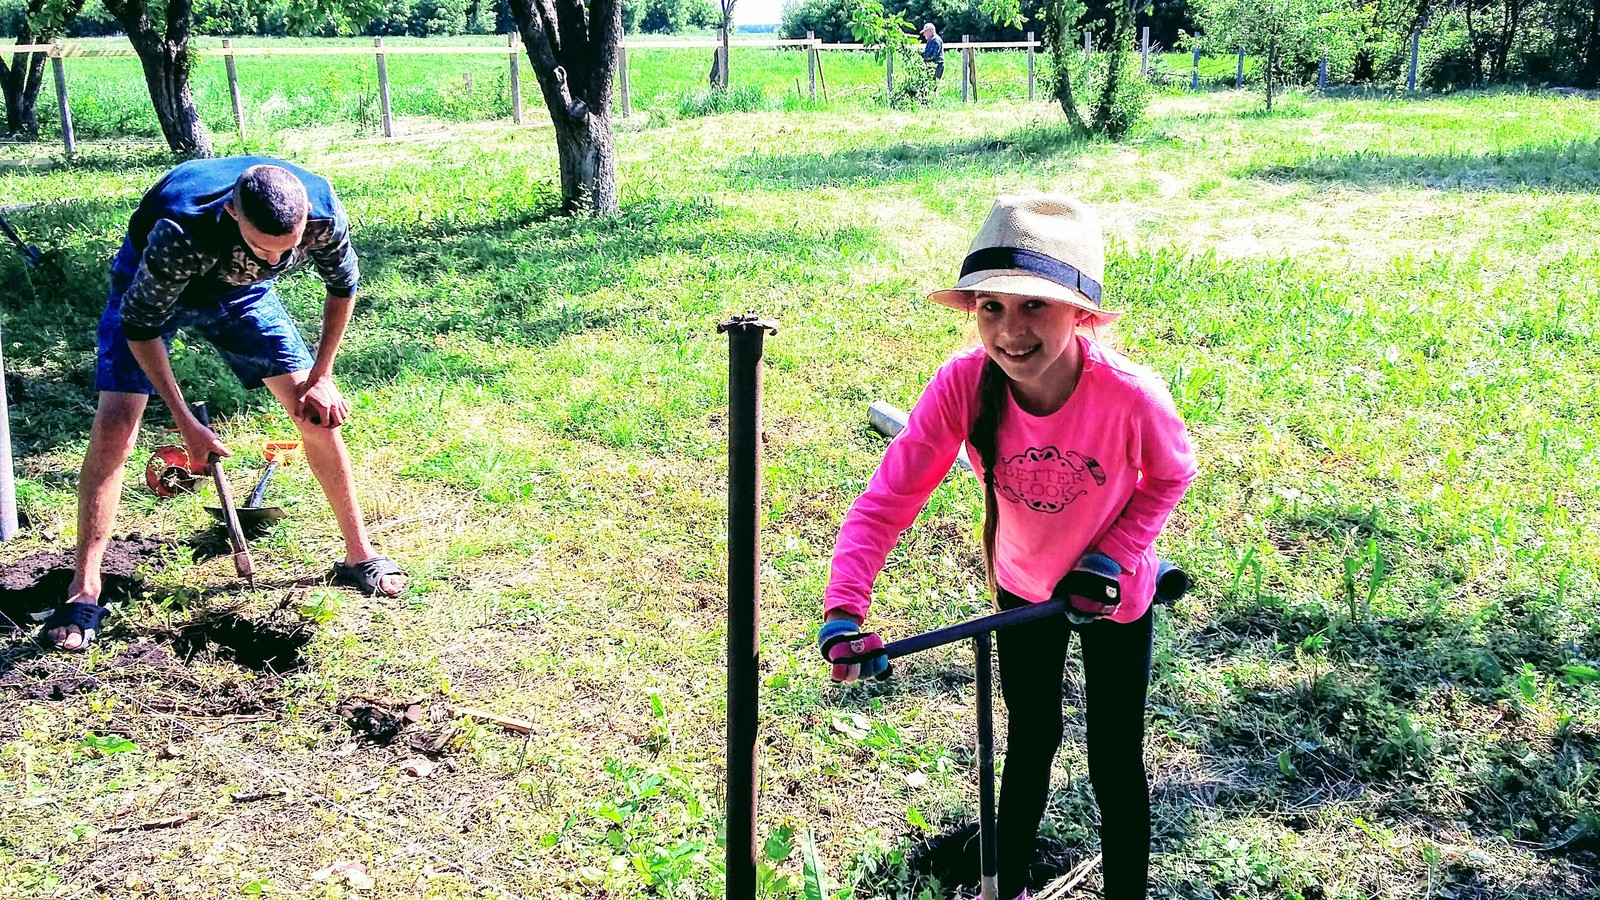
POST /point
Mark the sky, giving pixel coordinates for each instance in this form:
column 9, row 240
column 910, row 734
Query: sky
column 758, row 12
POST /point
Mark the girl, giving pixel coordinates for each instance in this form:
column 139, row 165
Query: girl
column 1083, row 457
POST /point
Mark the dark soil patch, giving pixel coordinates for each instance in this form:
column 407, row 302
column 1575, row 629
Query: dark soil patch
column 38, row 583
column 378, row 721
column 952, row 860
column 259, row 646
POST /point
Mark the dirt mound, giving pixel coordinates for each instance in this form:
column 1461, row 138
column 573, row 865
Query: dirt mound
column 38, row 583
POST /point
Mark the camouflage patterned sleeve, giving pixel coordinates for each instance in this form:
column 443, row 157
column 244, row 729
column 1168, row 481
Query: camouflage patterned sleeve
column 171, row 260
column 328, row 243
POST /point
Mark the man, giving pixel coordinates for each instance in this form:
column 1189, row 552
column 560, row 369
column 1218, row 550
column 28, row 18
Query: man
column 202, row 252
column 933, row 49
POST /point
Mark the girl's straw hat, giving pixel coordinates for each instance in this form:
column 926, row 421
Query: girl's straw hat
column 1035, row 245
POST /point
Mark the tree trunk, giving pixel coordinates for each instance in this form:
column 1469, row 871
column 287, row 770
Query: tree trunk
column 1272, row 65
column 1591, row 53
column 165, row 60
column 1069, row 104
column 588, row 157
column 573, row 48
column 20, row 83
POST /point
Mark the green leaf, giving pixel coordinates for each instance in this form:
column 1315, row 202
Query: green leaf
column 107, row 745
column 915, row 818
column 814, row 889
column 1576, row 674
column 1286, row 764
column 780, row 843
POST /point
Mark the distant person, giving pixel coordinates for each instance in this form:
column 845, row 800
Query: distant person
column 1083, row 457
column 202, row 252
column 933, row 49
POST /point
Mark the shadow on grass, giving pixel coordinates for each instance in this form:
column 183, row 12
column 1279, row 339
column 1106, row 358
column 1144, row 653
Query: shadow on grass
column 904, row 162
column 525, row 280
column 1367, row 721
column 1572, row 167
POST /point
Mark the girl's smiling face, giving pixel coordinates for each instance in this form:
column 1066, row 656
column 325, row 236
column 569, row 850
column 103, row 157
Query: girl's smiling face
column 1034, row 340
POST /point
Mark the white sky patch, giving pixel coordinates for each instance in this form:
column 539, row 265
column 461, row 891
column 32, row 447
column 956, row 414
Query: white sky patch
column 758, row 12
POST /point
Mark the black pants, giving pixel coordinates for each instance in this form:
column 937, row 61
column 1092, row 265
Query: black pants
column 1116, row 675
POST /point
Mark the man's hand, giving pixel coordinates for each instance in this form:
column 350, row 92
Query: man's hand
column 200, row 442
column 319, row 402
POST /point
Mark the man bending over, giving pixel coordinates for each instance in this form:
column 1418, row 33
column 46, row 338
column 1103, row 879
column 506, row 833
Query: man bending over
column 202, row 252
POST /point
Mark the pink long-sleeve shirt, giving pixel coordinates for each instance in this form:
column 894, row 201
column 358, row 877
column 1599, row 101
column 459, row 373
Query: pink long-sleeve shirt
column 1102, row 473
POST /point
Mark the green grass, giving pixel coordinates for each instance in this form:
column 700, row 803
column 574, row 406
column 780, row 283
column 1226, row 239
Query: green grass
column 1375, row 315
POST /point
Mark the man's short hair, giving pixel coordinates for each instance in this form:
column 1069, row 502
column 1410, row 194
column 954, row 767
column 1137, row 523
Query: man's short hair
column 928, row 26
column 271, row 198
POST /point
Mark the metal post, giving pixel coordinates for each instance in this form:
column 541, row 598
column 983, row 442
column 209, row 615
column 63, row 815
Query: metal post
column 1322, row 74
column 383, row 89
column 811, row 64
column 8, row 484
column 627, row 83
column 1088, row 45
column 888, row 75
column 1144, row 53
column 989, row 866
column 1238, row 79
column 514, row 53
column 745, row 336
column 1030, row 65
column 233, row 87
column 1194, row 81
column 60, row 68
column 1411, row 77
column 466, row 80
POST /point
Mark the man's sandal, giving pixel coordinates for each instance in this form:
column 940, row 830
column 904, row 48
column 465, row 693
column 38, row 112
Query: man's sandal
column 367, row 576
column 86, row 616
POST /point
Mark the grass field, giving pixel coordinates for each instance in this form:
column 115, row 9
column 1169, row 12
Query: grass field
column 1376, row 316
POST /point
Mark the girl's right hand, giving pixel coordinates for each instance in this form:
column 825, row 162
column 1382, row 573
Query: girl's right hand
column 853, row 653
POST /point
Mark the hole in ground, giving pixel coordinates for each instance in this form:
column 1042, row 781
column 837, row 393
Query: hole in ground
column 256, row 645
column 951, row 859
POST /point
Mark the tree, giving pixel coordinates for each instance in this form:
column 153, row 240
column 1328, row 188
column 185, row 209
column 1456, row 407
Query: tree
column 164, row 56
column 42, row 22
column 719, row 61
column 1273, row 29
column 573, row 49
column 1061, row 39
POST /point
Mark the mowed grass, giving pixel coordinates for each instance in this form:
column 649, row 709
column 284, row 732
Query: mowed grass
column 1376, row 316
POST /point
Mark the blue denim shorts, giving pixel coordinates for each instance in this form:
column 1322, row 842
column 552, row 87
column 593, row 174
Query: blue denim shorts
column 250, row 329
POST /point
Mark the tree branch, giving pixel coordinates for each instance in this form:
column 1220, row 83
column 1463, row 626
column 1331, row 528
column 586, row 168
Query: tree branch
column 535, row 19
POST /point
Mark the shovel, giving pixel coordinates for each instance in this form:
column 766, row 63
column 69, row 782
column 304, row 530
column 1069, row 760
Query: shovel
column 30, row 254
column 242, row 563
column 254, row 518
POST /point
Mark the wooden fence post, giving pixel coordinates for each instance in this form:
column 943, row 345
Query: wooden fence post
column 466, row 81
column 383, row 89
column 1030, row 65
column 514, row 53
column 722, row 58
column 1088, row 45
column 970, row 58
column 811, row 64
column 888, row 75
column 627, row 82
column 1238, row 78
column 1144, row 53
column 964, row 68
column 233, row 87
column 60, row 68
column 1194, row 80
column 1411, row 77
